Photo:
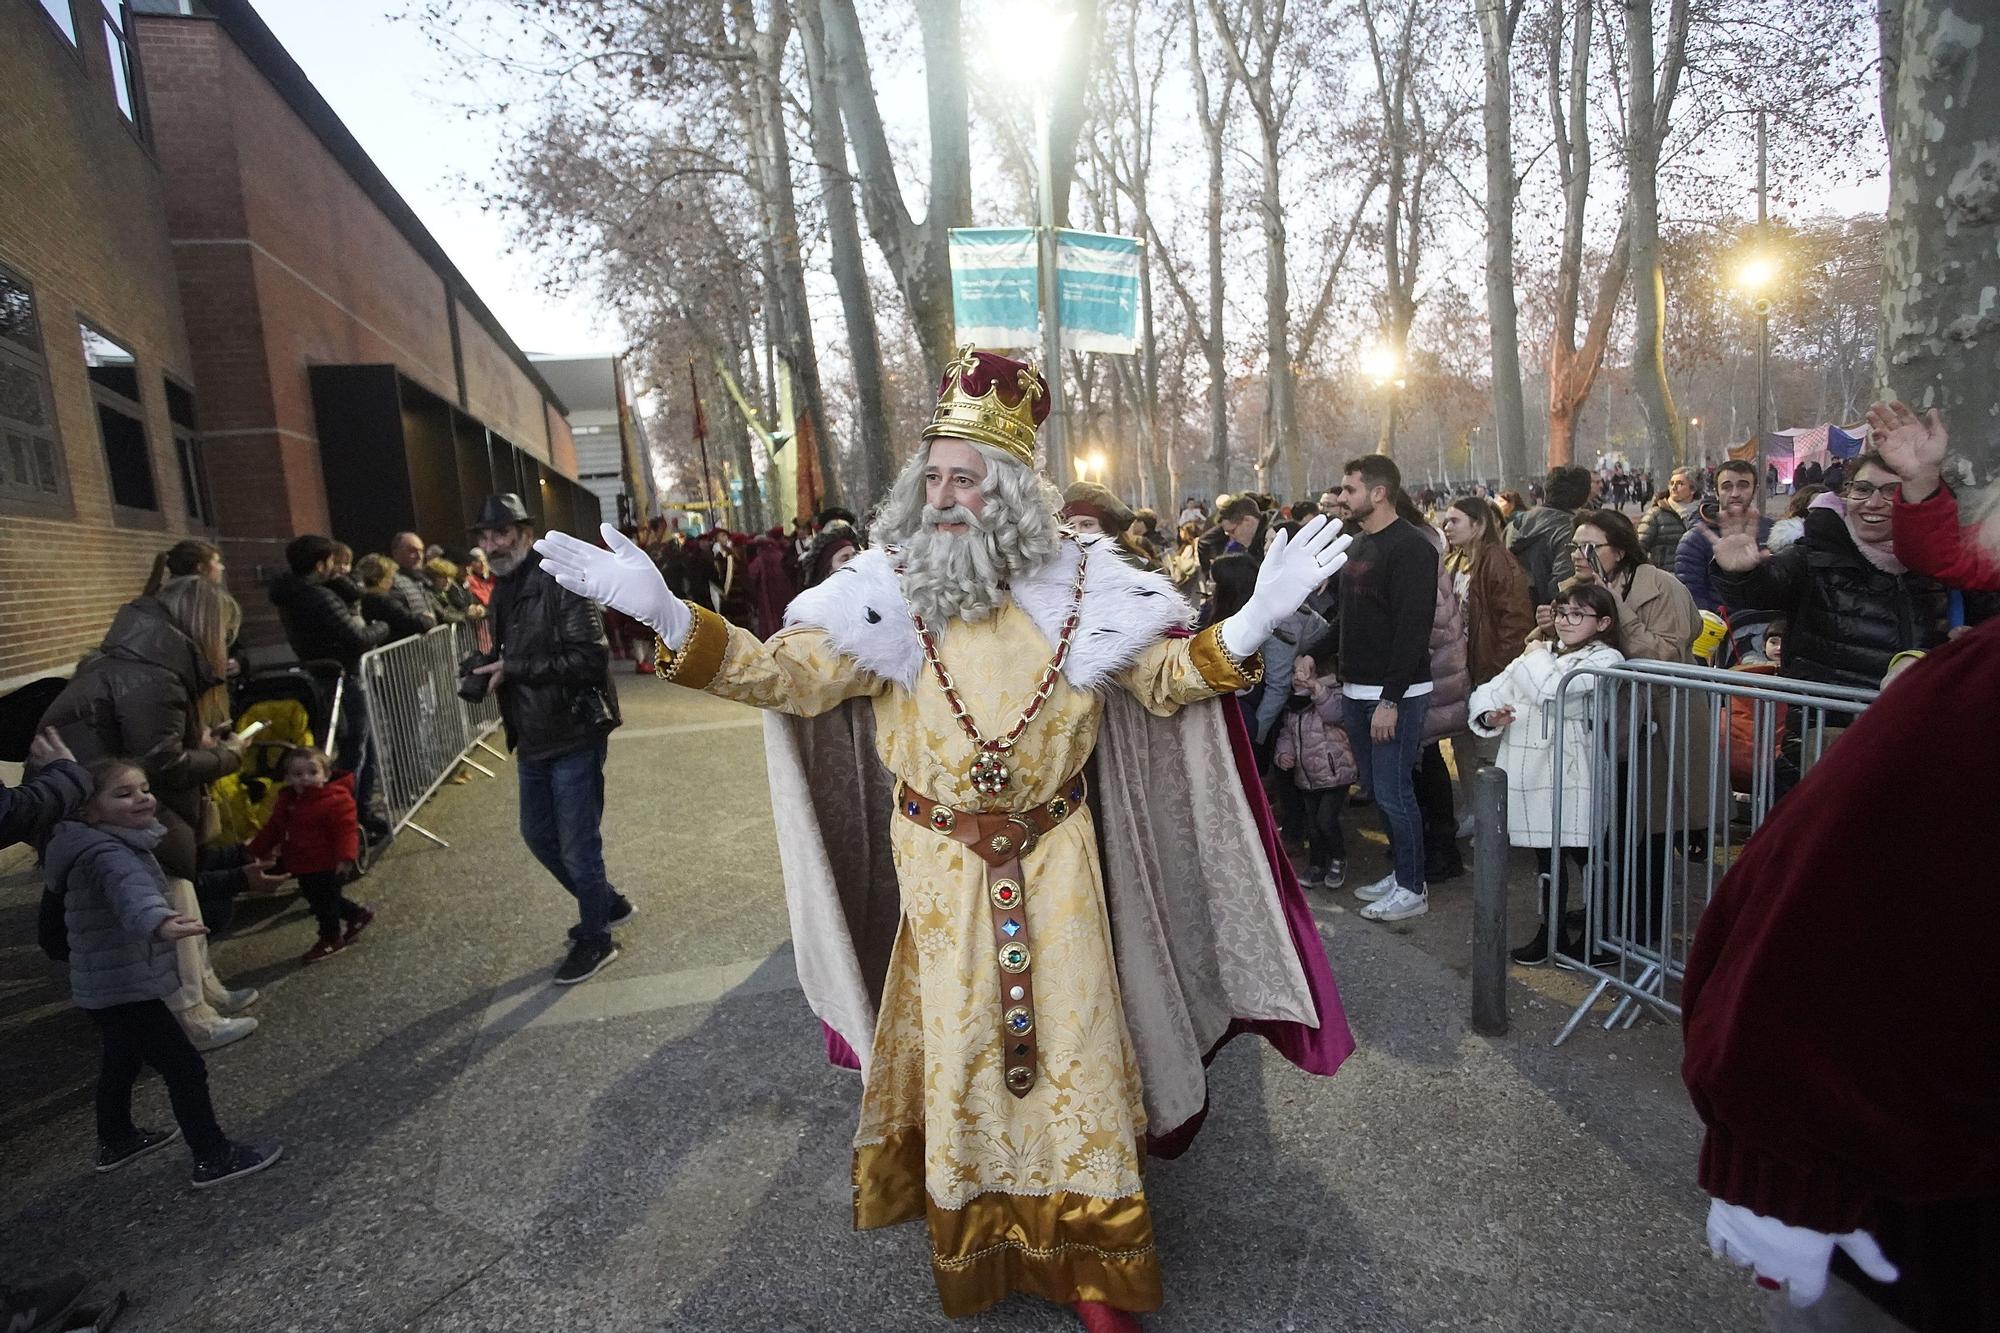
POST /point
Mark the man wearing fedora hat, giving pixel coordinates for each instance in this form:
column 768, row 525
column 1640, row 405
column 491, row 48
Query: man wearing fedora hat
column 551, row 665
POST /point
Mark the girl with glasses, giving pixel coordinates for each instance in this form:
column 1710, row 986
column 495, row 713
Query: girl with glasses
column 1527, row 707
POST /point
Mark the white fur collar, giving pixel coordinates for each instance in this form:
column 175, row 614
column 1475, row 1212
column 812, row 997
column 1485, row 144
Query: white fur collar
column 1125, row 610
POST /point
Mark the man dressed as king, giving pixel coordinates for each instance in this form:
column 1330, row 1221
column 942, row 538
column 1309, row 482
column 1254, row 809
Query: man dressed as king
column 1048, row 887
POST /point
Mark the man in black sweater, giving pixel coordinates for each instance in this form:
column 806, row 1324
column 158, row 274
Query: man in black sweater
column 1388, row 597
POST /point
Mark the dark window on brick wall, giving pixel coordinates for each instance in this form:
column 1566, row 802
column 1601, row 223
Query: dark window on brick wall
column 121, row 421
column 31, row 466
column 187, row 448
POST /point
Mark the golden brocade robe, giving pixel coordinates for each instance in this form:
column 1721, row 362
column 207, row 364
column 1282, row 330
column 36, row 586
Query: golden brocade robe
column 1040, row 1193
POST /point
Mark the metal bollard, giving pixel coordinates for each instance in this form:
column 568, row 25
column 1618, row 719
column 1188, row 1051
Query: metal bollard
column 1489, row 902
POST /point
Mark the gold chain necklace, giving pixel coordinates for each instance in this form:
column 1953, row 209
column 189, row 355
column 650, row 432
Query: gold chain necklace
column 989, row 771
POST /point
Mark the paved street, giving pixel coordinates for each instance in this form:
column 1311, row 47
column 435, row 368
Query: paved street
column 470, row 1148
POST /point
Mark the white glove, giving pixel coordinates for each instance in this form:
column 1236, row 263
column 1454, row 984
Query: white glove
column 1292, row 568
column 623, row 577
column 1789, row 1256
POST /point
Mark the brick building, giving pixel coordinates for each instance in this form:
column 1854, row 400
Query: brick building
column 352, row 381
column 219, row 319
column 100, row 467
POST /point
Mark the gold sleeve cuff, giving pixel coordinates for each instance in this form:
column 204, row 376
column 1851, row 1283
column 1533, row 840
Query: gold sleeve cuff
column 700, row 655
column 1224, row 673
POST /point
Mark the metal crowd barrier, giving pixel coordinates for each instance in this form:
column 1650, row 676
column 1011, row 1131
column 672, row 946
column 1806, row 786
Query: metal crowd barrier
column 1686, row 763
column 422, row 730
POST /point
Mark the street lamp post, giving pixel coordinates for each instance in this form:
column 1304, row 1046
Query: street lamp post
column 1051, row 295
column 1047, row 29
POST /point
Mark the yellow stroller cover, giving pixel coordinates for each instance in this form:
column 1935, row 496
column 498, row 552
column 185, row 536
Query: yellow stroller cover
column 245, row 797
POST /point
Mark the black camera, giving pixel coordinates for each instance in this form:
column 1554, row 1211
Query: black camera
column 473, row 688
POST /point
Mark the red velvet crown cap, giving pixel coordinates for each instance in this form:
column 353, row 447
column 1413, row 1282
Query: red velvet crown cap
column 990, row 370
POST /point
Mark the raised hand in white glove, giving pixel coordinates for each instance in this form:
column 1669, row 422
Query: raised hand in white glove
column 623, row 577
column 1787, row 1256
column 1292, row 568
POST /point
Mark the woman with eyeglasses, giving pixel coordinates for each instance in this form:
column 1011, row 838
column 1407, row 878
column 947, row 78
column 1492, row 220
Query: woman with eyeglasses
column 1658, row 620
column 1850, row 602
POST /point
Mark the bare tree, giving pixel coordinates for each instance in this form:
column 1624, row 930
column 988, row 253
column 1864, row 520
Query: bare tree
column 918, row 253
column 850, row 269
column 1646, row 127
column 1415, row 140
column 1498, row 20
column 1254, row 36
column 1573, row 367
column 1940, row 324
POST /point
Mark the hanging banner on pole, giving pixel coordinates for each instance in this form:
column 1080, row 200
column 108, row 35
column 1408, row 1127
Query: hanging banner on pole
column 1097, row 286
column 993, row 296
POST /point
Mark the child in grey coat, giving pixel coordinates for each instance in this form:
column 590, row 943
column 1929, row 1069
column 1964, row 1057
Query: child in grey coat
column 122, row 966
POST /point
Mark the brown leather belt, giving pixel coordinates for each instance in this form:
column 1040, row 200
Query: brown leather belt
column 1000, row 839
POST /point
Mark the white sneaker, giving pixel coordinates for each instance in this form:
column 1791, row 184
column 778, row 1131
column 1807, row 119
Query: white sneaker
column 218, row 1035
column 1398, row 906
column 235, row 1001
column 1381, row 888
column 1465, row 827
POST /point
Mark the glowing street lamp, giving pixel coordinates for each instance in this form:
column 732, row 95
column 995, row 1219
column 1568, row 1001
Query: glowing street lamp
column 1757, row 274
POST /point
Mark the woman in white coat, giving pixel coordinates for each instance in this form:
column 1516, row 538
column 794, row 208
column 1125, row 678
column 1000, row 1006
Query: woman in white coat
column 1520, row 705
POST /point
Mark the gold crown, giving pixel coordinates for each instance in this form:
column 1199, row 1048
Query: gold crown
column 984, row 417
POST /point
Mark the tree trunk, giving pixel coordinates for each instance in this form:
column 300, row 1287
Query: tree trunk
column 917, row 254
column 850, row 273
column 1664, row 436
column 1496, row 32
column 774, row 163
column 1284, row 427
column 1940, row 339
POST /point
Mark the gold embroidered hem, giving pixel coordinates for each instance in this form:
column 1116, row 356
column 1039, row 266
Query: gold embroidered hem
column 1063, row 1247
column 1223, row 673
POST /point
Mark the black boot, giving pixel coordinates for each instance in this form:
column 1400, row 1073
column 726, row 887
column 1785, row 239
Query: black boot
column 1535, row 953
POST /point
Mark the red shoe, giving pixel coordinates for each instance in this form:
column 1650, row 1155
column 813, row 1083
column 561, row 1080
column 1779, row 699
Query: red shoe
column 1098, row 1317
column 645, row 666
column 356, row 925
column 325, row 948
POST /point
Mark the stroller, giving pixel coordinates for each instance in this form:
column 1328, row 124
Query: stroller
column 296, row 704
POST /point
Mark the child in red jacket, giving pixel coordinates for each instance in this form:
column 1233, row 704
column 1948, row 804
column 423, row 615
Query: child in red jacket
column 318, row 828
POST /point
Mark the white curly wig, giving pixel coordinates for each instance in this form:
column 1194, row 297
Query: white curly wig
column 961, row 575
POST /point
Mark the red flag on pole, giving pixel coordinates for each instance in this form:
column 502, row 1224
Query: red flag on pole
column 701, row 438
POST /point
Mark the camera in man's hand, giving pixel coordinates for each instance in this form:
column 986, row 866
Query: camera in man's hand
column 472, row 686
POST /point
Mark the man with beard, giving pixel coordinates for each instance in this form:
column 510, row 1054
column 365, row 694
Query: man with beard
column 551, row 665
column 1735, row 498
column 957, row 937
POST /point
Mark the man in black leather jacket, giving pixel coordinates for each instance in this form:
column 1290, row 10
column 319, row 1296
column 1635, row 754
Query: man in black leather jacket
column 321, row 626
column 551, row 664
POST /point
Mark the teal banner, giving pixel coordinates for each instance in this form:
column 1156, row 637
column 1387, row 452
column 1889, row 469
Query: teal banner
column 993, row 298
column 995, row 302
column 1097, row 291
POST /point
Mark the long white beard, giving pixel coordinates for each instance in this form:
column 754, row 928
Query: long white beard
column 952, row 575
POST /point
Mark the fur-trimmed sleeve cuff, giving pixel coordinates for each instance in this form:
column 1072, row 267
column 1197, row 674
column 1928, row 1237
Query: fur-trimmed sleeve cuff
column 1225, row 674
column 700, row 655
